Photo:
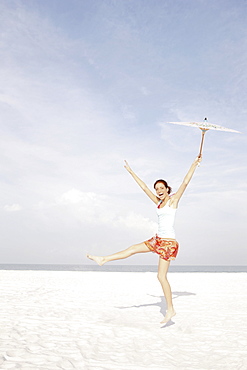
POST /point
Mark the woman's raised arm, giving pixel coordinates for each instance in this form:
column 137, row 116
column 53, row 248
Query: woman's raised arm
column 142, row 184
column 177, row 196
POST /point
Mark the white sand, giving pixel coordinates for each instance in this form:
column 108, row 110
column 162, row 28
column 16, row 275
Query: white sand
column 110, row 320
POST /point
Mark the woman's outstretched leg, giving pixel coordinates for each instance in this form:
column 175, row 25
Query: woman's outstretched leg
column 136, row 248
column 162, row 276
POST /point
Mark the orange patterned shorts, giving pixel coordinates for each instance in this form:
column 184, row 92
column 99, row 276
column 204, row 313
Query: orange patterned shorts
column 167, row 249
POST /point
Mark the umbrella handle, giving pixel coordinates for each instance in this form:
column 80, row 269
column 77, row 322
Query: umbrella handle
column 202, row 141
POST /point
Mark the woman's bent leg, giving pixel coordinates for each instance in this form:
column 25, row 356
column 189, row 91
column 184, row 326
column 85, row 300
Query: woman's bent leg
column 136, row 248
column 162, row 276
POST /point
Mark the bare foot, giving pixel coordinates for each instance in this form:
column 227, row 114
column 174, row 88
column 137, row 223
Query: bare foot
column 168, row 316
column 99, row 260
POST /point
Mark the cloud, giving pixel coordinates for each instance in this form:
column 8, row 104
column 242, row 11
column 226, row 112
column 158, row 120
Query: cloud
column 75, row 196
column 137, row 221
column 92, row 208
column 12, row 207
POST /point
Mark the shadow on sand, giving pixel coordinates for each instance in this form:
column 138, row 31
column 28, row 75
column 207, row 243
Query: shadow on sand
column 161, row 304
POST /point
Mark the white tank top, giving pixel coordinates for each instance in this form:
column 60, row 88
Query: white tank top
column 166, row 217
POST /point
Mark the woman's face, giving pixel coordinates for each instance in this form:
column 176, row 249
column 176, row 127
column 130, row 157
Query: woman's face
column 161, row 190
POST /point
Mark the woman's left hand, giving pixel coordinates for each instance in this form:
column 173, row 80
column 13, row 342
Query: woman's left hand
column 198, row 160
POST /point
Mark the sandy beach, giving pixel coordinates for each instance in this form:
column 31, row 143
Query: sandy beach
column 110, row 320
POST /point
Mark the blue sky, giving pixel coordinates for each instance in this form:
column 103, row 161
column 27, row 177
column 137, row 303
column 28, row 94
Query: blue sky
column 87, row 84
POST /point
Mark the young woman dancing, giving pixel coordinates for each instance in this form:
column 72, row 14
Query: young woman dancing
column 164, row 242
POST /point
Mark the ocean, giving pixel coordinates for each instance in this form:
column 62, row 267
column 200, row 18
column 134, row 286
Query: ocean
column 121, row 268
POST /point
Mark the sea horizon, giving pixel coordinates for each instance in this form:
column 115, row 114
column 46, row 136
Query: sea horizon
column 122, row 268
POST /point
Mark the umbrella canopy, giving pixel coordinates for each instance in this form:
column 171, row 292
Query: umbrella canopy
column 204, row 125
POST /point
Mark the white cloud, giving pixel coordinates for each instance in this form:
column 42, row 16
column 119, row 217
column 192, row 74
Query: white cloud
column 75, row 196
column 12, row 207
column 92, row 208
column 137, row 221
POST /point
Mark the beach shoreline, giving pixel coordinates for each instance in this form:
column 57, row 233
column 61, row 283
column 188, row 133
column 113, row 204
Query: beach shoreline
column 110, row 320
column 113, row 267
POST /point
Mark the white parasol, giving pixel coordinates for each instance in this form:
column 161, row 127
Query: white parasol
column 204, row 126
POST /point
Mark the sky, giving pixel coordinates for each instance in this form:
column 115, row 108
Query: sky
column 87, row 84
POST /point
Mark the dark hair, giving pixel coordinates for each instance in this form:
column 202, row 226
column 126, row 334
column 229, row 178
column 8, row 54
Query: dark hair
column 169, row 189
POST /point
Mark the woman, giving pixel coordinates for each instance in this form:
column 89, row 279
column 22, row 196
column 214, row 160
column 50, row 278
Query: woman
column 164, row 243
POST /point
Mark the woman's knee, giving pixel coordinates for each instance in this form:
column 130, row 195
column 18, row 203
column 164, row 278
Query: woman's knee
column 138, row 248
column 133, row 249
column 162, row 277
column 163, row 269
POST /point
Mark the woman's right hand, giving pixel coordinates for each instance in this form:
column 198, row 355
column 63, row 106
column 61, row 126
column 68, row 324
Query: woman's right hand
column 141, row 183
column 127, row 166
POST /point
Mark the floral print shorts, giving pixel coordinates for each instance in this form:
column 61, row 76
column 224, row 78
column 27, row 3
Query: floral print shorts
column 167, row 249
